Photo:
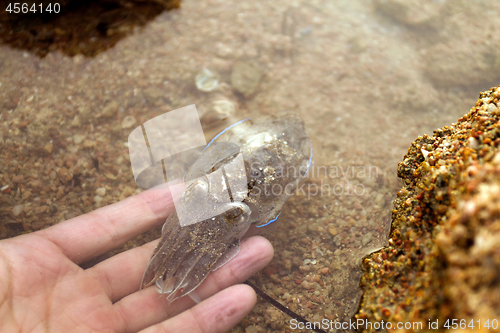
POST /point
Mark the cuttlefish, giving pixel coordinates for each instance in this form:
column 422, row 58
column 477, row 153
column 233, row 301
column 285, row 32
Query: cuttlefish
column 243, row 177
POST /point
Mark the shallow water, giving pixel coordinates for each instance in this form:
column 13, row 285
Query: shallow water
column 366, row 77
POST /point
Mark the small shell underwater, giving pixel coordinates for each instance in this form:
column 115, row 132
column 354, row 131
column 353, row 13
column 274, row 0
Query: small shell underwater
column 243, row 177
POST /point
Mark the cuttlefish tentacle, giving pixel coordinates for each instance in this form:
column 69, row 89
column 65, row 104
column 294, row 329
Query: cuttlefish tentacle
column 182, row 273
column 275, row 152
column 168, row 255
column 179, row 266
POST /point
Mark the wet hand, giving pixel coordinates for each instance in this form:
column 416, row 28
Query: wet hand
column 43, row 289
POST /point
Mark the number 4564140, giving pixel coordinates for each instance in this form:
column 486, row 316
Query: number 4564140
column 25, row 8
column 455, row 324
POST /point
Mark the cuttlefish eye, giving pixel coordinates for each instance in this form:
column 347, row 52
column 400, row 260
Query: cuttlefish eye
column 238, row 213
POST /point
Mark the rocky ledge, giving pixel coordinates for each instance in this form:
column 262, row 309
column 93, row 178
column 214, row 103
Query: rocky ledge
column 443, row 258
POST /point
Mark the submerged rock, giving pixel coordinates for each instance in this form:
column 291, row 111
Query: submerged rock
column 438, row 30
column 443, row 258
column 411, row 12
column 245, row 77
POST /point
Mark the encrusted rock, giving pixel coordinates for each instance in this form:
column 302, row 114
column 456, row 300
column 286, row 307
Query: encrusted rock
column 444, row 248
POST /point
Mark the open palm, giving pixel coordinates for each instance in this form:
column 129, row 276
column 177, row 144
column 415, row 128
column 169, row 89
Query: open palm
column 42, row 288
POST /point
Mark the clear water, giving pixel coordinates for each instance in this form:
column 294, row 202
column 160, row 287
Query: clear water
column 366, row 77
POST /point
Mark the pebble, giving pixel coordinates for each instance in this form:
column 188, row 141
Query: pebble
column 491, row 107
column 442, row 209
column 270, row 270
column 109, row 110
column 333, row 231
column 128, row 122
column 252, row 329
column 41, row 209
column 26, row 195
column 101, row 191
column 305, row 285
column 89, row 143
column 287, row 264
column 17, row 209
column 78, row 138
column 110, row 176
column 48, row 147
column 304, row 269
column 19, row 179
column 473, row 143
column 75, row 122
column 65, row 174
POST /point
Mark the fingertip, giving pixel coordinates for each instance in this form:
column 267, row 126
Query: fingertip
column 218, row 313
column 247, row 292
column 260, row 250
column 227, row 308
column 267, row 248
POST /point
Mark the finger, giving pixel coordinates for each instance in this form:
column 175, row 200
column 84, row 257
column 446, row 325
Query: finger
column 217, row 314
column 89, row 235
column 146, row 307
column 121, row 275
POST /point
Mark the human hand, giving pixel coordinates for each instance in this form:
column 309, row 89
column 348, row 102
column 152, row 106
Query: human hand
column 42, row 288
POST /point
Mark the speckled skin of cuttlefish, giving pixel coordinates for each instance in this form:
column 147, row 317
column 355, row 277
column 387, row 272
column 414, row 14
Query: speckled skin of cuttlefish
column 276, row 153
